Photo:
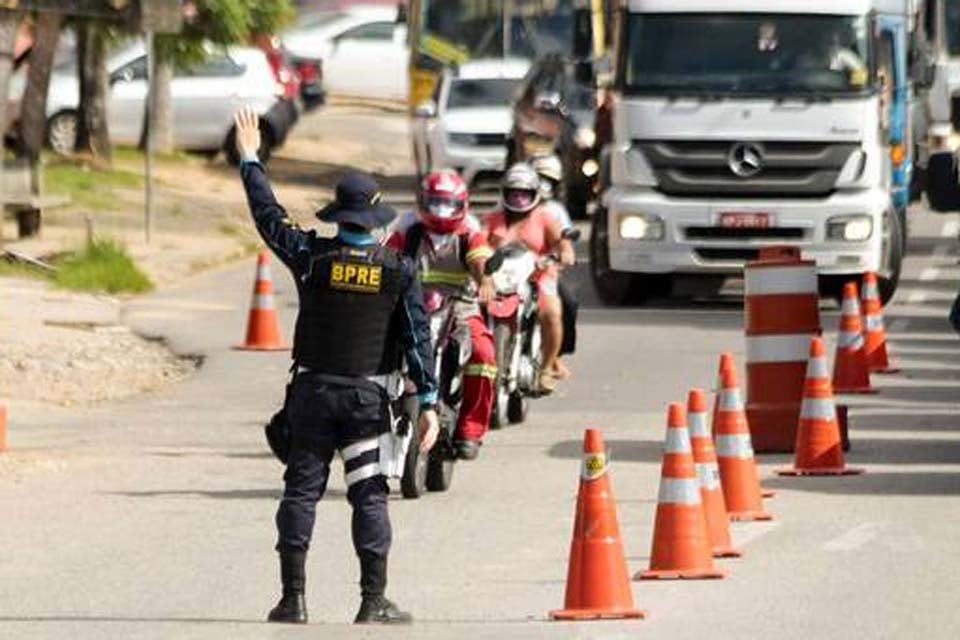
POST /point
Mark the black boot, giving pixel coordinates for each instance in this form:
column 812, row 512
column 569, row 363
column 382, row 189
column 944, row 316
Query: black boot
column 375, row 608
column 292, row 607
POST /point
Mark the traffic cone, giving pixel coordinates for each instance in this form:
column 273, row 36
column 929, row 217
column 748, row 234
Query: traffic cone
column 711, row 495
column 263, row 329
column 3, row 427
column 819, row 450
column 681, row 545
column 850, row 371
column 598, row 584
column 874, row 334
column 727, row 362
column 738, row 469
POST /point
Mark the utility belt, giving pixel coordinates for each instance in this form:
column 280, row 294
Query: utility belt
column 390, row 383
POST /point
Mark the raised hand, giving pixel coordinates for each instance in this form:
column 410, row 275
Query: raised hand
column 248, row 132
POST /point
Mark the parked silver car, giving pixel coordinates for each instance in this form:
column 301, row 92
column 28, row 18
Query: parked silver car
column 205, row 98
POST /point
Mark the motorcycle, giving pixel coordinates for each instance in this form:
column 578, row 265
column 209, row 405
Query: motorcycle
column 451, row 345
column 516, row 329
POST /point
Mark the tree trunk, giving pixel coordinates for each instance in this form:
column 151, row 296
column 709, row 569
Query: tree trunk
column 33, row 120
column 93, row 135
column 160, row 107
column 8, row 33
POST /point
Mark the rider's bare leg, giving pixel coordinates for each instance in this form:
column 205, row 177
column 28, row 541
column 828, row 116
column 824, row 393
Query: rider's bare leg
column 551, row 329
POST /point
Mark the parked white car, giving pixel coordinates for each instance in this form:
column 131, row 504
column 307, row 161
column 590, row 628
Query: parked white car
column 364, row 50
column 465, row 125
column 205, row 98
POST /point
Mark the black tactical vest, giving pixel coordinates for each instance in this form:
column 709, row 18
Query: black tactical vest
column 347, row 302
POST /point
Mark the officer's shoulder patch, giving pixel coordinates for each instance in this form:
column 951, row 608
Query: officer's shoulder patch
column 359, row 278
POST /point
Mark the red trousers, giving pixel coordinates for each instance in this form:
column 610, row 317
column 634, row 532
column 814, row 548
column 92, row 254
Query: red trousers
column 478, row 381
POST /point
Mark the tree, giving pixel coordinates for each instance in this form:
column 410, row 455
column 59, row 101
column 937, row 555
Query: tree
column 8, row 32
column 93, row 134
column 217, row 22
column 33, row 117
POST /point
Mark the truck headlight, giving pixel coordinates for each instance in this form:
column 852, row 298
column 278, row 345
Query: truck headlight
column 850, row 228
column 585, row 137
column 640, row 226
column 463, row 139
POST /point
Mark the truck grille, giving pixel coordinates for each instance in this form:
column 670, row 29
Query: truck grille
column 727, row 255
column 744, row 233
column 491, row 139
column 786, row 169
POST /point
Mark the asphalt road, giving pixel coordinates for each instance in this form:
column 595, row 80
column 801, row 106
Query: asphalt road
column 153, row 517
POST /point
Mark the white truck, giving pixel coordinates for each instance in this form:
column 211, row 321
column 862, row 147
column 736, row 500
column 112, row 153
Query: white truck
column 739, row 125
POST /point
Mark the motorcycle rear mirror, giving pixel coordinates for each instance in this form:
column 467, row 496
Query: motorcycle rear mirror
column 493, row 263
column 572, row 234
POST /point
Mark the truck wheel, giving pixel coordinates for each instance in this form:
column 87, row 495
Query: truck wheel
column 613, row 287
column 891, row 257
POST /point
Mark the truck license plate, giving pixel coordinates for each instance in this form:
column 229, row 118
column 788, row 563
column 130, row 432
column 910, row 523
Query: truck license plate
column 745, row 220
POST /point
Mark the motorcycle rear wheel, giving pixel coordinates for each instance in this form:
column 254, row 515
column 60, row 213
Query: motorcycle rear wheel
column 414, row 482
column 499, row 415
column 439, row 470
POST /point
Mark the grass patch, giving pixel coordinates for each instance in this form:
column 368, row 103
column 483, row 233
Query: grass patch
column 87, row 186
column 104, row 266
column 13, row 269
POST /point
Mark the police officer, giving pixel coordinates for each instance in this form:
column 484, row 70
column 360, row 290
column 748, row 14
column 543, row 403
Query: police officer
column 360, row 307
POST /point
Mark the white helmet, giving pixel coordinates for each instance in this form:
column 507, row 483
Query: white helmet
column 520, row 188
column 550, row 170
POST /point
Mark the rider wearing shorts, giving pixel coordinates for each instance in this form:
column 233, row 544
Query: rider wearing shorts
column 522, row 218
column 450, row 249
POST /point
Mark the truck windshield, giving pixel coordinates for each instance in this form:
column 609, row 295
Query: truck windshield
column 754, row 54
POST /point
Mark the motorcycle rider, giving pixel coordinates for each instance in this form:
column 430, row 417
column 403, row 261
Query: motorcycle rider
column 550, row 170
column 449, row 245
column 522, row 218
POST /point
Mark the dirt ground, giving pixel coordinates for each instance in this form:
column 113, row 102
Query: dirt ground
column 65, row 348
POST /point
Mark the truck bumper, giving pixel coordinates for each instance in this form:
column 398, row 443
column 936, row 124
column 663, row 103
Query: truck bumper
column 694, row 243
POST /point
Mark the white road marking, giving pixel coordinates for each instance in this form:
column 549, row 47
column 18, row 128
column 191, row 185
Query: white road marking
column 929, row 274
column 951, row 229
column 898, row 325
column 916, row 296
column 854, row 538
column 941, row 251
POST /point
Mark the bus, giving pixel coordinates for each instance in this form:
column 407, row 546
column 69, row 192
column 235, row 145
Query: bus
column 450, row 32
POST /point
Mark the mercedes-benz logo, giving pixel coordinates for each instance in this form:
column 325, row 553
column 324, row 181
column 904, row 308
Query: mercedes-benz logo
column 745, row 159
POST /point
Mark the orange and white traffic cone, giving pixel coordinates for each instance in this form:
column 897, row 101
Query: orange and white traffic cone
column 711, row 494
column 850, row 371
column 598, row 583
column 874, row 334
column 681, row 545
column 819, row 450
column 727, row 362
column 738, row 468
column 263, row 328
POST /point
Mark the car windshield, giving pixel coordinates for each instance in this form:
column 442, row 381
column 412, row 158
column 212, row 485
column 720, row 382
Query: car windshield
column 458, row 30
column 491, row 92
column 779, row 54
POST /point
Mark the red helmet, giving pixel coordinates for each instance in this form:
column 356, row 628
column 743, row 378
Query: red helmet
column 443, row 201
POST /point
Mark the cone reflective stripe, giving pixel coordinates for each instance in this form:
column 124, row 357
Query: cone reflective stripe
column 681, row 544
column 738, row 468
column 875, row 334
column 263, row 328
column 819, row 450
column 781, row 312
column 850, row 371
column 598, row 584
column 708, row 474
